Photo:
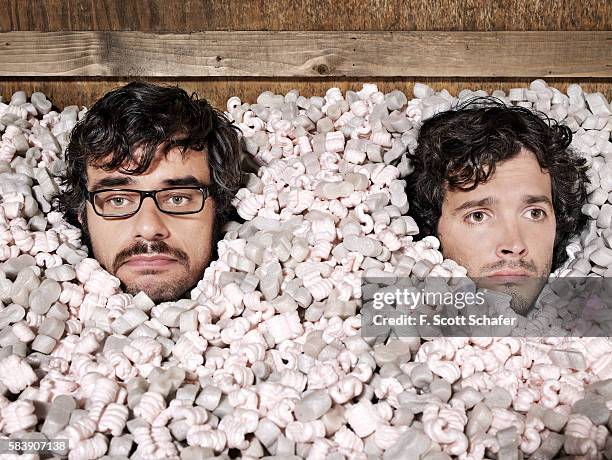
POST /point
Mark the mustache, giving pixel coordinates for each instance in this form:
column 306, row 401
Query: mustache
column 521, row 264
column 154, row 247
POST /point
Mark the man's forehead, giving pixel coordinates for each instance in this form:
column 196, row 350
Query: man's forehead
column 174, row 162
column 518, row 177
column 522, row 163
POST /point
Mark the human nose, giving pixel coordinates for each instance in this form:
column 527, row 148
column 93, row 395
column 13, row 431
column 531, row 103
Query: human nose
column 149, row 222
column 511, row 242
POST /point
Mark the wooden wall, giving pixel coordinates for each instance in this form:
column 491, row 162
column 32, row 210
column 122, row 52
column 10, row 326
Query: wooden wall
column 373, row 15
column 578, row 51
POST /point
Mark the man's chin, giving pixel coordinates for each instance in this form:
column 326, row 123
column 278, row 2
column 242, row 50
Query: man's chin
column 523, row 290
column 159, row 293
column 160, row 284
column 157, row 287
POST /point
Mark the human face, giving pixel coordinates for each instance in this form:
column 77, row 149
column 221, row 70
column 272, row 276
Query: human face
column 503, row 231
column 163, row 255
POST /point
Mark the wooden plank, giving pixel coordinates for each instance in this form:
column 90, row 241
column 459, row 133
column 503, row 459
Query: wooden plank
column 74, row 91
column 185, row 16
column 307, row 54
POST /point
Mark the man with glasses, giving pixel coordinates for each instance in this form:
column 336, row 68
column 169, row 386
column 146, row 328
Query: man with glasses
column 150, row 176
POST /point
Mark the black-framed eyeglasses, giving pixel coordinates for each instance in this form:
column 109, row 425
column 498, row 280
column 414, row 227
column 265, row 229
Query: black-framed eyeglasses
column 122, row 202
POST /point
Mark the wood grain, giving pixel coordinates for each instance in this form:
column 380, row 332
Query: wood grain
column 73, row 91
column 184, row 16
column 307, row 54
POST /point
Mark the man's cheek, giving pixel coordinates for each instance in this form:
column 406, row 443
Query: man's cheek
column 465, row 249
column 458, row 257
column 102, row 250
column 541, row 247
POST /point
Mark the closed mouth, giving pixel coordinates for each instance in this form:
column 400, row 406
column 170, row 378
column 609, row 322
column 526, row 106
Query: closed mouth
column 509, row 276
column 150, row 261
column 514, row 273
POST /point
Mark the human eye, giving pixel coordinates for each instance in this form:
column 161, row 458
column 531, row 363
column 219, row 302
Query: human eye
column 178, row 197
column 118, row 200
column 476, row 218
column 178, row 200
column 536, row 214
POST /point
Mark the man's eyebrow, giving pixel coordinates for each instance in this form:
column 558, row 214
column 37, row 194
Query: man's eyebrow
column 533, row 199
column 473, row 204
column 111, row 182
column 107, row 182
column 184, row 181
column 489, row 201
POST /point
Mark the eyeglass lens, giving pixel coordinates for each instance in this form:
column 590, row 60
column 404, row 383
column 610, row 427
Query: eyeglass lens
column 121, row 202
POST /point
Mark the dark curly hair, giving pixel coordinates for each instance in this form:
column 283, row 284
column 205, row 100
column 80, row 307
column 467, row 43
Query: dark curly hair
column 147, row 116
column 459, row 149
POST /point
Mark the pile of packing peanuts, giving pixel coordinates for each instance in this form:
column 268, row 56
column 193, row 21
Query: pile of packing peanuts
column 266, row 359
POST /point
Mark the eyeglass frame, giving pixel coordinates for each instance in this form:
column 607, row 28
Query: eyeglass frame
column 148, row 193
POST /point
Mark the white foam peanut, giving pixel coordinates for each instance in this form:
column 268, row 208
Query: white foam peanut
column 52, row 327
column 61, row 273
column 598, row 104
column 498, row 397
column 41, row 298
column 143, row 302
column 593, row 407
column 605, row 216
column 44, row 344
column 11, row 314
column 41, row 103
column 131, row 318
column 569, row 359
column 602, row 257
column 362, row 418
column 550, row 447
column 59, row 414
column 422, row 91
column 312, row 406
column 411, row 445
column 363, row 245
column 334, row 190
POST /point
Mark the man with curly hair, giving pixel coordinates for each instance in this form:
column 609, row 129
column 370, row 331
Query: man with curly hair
column 148, row 141
column 500, row 189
